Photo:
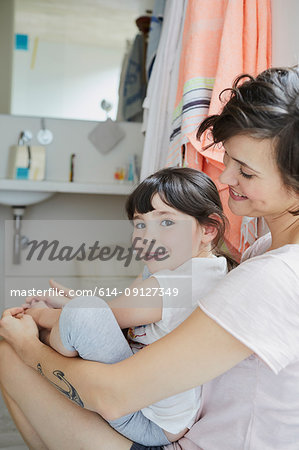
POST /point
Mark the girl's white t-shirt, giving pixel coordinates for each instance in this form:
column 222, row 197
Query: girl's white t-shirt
column 181, row 289
column 254, row 405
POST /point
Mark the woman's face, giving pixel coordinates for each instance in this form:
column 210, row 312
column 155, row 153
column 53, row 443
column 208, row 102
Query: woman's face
column 255, row 185
column 177, row 233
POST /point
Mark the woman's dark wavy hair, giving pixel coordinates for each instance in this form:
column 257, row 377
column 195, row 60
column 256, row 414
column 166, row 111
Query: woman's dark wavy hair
column 187, row 190
column 264, row 107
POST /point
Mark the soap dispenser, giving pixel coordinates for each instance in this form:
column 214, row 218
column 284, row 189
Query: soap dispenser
column 26, row 161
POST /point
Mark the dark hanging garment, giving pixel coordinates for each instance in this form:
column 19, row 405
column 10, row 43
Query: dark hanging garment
column 134, row 88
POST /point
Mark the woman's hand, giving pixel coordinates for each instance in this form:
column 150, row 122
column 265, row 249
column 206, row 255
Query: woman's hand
column 51, row 301
column 17, row 328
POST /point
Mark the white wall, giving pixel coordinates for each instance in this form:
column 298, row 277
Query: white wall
column 71, row 136
column 285, row 32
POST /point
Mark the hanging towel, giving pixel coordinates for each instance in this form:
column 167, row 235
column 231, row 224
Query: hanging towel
column 124, row 67
column 161, row 92
column 154, row 35
column 134, row 87
column 221, row 39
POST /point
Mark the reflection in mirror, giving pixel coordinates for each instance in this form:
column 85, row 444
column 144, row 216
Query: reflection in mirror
column 68, row 54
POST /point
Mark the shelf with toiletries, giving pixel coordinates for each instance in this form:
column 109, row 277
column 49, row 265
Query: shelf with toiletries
column 115, row 188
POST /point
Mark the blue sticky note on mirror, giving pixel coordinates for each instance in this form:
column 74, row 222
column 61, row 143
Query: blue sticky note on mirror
column 21, row 41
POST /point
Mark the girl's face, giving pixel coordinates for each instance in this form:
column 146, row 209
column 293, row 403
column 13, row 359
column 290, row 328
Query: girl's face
column 179, row 235
column 255, row 185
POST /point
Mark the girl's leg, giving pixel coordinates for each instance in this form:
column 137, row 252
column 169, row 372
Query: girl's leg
column 60, row 424
column 88, row 325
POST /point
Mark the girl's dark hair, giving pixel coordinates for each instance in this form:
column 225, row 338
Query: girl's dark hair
column 264, row 107
column 187, row 190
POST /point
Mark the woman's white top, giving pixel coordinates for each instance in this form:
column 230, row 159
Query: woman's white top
column 254, row 405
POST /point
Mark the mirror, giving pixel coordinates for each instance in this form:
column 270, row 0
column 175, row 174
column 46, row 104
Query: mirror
column 67, row 56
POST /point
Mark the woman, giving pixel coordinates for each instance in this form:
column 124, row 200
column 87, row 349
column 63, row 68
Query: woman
column 242, row 341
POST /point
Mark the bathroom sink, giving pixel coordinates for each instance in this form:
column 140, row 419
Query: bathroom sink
column 23, row 198
column 14, row 193
column 26, row 192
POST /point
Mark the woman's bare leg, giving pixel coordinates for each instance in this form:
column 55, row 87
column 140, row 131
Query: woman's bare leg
column 59, row 422
column 28, row 433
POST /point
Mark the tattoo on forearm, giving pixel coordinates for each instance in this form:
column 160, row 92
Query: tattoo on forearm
column 71, row 392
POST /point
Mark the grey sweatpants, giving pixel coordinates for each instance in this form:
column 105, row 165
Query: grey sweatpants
column 88, row 326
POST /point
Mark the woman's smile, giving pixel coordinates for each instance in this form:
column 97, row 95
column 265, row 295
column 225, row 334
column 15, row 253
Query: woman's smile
column 236, row 196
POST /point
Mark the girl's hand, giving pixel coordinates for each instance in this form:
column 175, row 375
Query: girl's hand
column 35, row 312
column 52, row 301
column 17, row 328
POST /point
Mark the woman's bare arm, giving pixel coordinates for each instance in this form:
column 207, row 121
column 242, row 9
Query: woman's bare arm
column 194, row 353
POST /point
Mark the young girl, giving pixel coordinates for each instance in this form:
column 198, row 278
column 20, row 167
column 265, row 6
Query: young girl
column 178, row 210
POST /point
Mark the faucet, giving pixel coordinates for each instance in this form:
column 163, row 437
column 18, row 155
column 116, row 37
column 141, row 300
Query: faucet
column 19, row 241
